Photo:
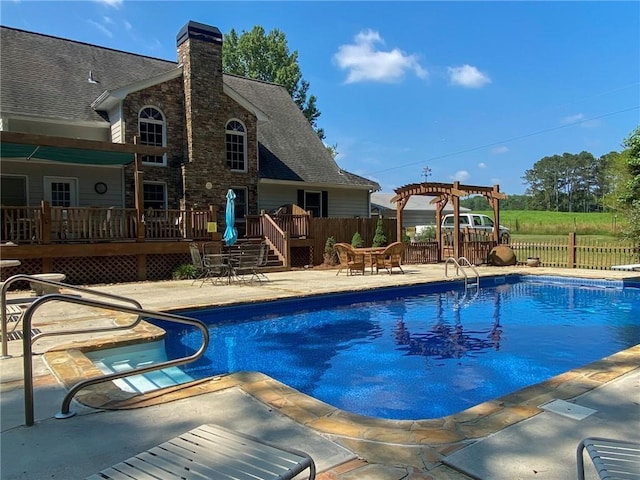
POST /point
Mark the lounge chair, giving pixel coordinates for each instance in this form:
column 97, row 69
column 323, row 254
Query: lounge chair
column 211, row 451
column 612, row 459
column 390, row 258
column 350, row 260
column 627, row 268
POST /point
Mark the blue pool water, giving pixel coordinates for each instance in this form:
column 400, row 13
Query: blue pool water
column 422, row 351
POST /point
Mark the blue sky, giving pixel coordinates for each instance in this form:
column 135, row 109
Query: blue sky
column 471, row 91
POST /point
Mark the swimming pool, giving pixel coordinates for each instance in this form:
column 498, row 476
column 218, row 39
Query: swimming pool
column 421, row 351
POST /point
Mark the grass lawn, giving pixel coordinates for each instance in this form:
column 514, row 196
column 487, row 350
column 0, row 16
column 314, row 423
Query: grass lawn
column 534, row 222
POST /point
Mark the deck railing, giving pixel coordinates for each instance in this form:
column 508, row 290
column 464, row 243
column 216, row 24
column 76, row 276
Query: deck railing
column 278, row 239
column 296, row 224
column 45, row 224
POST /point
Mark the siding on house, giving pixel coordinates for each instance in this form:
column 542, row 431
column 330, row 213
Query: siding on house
column 343, row 203
column 86, row 175
column 59, row 129
column 117, row 125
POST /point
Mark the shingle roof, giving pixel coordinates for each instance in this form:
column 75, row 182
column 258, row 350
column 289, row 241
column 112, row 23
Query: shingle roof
column 416, row 202
column 289, row 148
column 46, row 76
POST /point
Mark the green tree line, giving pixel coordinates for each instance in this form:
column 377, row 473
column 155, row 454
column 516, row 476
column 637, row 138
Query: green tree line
column 581, row 183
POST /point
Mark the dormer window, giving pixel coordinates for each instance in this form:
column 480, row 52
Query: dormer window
column 152, row 131
column 236, row 137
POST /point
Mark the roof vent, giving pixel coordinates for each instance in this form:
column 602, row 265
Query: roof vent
column 91, row 79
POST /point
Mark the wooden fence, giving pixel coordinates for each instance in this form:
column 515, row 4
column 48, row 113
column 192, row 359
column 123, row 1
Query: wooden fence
column 418, row 253
column 577, row 252
column 342, row 230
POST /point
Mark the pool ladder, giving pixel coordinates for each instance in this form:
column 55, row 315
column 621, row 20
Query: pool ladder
column 469, row 283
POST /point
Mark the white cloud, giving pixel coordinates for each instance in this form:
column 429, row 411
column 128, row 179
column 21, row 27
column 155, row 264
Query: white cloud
column 102, row 28
column 461, row 176
column 364, row 62
column 467, row 76
column 578, row 117
column 128, row 27
column 482, row 165
column 499, row 150
column 111, row 3
column 581, row 119
column 107, row 20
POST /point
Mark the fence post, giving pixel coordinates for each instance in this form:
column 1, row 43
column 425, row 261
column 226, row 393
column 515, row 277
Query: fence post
column 571, row 251
column 46, row 222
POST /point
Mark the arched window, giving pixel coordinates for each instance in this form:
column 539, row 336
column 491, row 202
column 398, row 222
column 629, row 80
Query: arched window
column 151, row 127
column 236, row 146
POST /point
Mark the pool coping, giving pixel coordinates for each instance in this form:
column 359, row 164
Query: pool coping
column 440, row 436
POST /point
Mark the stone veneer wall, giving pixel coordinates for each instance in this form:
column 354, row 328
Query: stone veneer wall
column 196, row 112
column 168, row 97
column 208, row 110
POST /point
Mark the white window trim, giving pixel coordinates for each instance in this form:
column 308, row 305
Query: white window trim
column 244, row 141
column 48, row 180
column 164, row 134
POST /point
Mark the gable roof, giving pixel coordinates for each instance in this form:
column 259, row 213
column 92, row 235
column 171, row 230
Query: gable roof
column 62, row 92
column 283, row 155
column 44, row 76
column 415, row 203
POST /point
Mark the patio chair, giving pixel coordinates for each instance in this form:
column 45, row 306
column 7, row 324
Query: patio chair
column 390, row 257
column 210, row 267
column 350, row 260
column 263, row 258
column 247, row 263
column 211, row 451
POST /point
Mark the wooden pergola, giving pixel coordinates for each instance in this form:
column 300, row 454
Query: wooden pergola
column 443, row 193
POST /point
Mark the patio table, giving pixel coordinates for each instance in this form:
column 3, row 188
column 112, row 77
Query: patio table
column 370, row 254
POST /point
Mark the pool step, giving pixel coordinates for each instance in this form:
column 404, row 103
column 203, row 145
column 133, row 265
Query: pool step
column 127, row 358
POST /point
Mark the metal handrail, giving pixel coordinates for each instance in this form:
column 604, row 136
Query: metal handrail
column 27, row 342
column 465, row 260
column 460, row 268
column 41, row 281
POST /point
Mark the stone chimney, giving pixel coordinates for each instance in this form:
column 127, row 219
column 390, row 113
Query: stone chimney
column 200, row 53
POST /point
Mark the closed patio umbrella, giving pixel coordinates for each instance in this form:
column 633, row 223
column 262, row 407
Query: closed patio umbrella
column 230, row 232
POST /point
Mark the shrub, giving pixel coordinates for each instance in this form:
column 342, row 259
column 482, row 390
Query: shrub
column 379, row 239
column 356, row 240
column 427, row 234
column 330, row 255
column 184, row 272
